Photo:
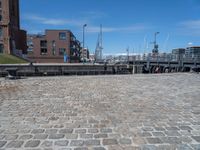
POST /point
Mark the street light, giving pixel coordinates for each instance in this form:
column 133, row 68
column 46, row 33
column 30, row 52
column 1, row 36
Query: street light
column 156, row 35
column 85, row 25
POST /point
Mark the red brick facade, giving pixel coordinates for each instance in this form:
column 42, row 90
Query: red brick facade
column 51, row 47
column 11, row 37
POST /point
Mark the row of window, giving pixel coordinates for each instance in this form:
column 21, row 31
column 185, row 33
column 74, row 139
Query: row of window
column 44, row 51
column 1, row 31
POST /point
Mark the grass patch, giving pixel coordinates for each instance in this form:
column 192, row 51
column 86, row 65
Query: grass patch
column 10, row 59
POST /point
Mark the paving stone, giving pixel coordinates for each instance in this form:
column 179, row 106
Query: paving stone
column 100, row 136
column 2, row 137
column 24, row 131
column 14, row 144
column 86, row 136
column 59, row 126
column 115, row 136
column 172, row 133
column 110, row 142
column 80, row 131
column 63, row 131
column 93, row 130
column 195, row 132
column 2, row 143
column 1, row 131
column 195, row 146
column 47, row 144
column 106, row 130
column 171, row 140
column 40, row 136
column 51, row 131
column 185, row 128
column 32, row 143
column 159, row 128
column 76, row 143
column 154, row 141
column 125, row 141
column 61, row 143
column 10, row 131
column 145, row 134
column 186, row 139
column 56, row 136
column 139, row 141
column 183, row 147
column 36, row 131
column 93, row 121
column 92, row 142
column 10, row 137
column 149, row 147
column 49, row 149
column 99, row 148
column 172, row 128
column 71, row 136
column 25, row 137
column 158, row 134
column 167, row 147
column 147, row 129
column 81, row 148
column 196, row 138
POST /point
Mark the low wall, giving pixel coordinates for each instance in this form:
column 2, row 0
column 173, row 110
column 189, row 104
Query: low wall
column 65, row 69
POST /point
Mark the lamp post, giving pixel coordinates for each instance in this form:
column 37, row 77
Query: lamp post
column 83, row 57
column 85, row 25
column 156, row 35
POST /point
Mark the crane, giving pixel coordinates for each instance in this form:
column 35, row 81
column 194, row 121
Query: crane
column 99, row 47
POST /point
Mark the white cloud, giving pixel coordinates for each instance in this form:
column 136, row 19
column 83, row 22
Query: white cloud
column 191, row 27
column 52, row 21
column 93, row 15
column 133, row 28
column 193, row 24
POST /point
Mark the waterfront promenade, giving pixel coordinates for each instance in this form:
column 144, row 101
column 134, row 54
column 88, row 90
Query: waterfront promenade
column 128, row 112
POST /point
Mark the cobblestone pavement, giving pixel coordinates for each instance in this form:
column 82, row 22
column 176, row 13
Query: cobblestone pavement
column 131, row 112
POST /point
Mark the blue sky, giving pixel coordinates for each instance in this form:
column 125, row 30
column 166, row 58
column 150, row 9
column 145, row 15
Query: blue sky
column 126, row 23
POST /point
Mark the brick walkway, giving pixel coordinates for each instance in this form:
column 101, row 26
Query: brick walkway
column 101, row 113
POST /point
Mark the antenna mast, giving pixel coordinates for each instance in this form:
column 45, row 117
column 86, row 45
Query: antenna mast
column 99, row 46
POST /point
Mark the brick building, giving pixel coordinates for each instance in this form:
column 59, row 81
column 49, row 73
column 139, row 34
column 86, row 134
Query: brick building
column 51, row 47
column 11, row 37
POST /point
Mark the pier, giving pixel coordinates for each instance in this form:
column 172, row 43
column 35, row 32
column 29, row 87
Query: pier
column 163, row 66
column 65, row 69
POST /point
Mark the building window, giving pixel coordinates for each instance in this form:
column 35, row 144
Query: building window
column 1, row 48
column 1, row 15
column 30, row 49
column 43, row 43
column 62, row 36
column 62, row 51
column 30, row 43
column 1, row 31
column 43, row 51
column 54, row 47
column 0, row 4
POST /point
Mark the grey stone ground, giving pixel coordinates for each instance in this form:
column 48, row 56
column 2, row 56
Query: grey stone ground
column 130, row 112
